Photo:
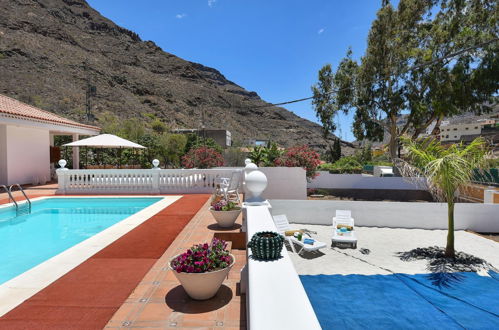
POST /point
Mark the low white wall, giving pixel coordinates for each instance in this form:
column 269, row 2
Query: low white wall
column 28, row 154
column 3, row 154
column 285, row 183
column 327, row 180
column 275, row 297
column 472, row 216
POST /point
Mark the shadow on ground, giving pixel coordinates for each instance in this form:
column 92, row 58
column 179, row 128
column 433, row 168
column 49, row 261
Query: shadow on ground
column 444, row 271
column 178, row 300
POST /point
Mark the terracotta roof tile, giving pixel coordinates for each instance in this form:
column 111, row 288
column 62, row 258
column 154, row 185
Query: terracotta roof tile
column 17, row 108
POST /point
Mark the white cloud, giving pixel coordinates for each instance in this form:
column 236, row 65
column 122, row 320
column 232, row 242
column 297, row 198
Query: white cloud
column 180, row 16
column 321, row 31
column 211, row 3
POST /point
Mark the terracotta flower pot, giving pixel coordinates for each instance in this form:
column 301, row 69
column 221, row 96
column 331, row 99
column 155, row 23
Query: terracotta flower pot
column 202, row 286
column 225, row 219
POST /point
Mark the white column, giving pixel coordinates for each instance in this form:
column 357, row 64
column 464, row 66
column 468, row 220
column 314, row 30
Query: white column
column 488, row 196
column 76, row 153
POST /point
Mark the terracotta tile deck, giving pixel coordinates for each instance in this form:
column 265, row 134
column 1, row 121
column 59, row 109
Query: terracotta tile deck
column 31, row 191
column 88, row 296
column 160, row 302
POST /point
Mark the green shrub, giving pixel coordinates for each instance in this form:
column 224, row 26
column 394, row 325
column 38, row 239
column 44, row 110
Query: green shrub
column 345, row 165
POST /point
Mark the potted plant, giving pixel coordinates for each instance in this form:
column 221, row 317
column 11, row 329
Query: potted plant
column 202, row 269
column 266, row 245
column 225, row 212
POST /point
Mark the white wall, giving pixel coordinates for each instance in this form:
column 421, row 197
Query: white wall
column 285, row 183
column 28, row 154
column 3, row 154
column 472, row 216
column 275, row 298
column 358, row 181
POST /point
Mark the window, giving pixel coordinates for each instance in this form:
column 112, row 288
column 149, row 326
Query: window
column 455, row 129
column 476, row 127
column 466, row 127
column 446, row 136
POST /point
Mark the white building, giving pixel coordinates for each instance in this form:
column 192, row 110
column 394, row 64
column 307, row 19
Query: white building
column 454, row 132
column 26, row 135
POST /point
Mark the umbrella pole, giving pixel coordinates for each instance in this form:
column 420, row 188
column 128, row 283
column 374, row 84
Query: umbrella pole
column 119, row 151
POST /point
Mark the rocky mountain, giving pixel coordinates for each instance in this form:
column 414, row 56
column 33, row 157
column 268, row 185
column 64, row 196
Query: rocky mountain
column 49, row 49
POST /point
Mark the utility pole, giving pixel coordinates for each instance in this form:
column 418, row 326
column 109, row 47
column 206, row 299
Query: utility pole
column 91, row 91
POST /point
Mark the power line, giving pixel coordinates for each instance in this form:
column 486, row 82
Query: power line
column 429, row 63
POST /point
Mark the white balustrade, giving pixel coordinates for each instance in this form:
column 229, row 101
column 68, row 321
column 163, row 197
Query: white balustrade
column 131, row 181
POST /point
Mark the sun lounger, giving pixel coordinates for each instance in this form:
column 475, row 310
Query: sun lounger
column 343, row 219
column 282, row 224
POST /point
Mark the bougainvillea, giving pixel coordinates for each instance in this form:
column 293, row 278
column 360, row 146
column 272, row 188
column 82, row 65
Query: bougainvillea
column 301, row 156
column 202, row 157
column 203, row 258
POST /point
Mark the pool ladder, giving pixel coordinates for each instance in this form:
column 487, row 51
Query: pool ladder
column 9, row 192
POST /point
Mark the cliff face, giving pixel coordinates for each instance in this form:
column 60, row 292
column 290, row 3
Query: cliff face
column 45, row 43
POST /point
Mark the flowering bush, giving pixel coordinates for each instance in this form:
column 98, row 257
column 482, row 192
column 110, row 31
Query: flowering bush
column 301, row 156
column 203, row 258
column 202, row 157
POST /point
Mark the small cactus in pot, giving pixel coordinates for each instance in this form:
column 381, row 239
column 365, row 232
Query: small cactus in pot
column 266, row 245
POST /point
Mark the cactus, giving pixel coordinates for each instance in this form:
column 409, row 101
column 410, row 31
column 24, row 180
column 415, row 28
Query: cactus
column 266, row 245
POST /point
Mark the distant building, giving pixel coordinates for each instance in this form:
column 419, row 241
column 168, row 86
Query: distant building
column 454, row 132
column 222, row 137
column 255, row 142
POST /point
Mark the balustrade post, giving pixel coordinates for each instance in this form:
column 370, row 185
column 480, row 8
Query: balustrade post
column 61, row 181
column 155, row 181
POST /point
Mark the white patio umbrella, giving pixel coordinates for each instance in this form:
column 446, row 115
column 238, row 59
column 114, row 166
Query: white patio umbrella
column 105, row 141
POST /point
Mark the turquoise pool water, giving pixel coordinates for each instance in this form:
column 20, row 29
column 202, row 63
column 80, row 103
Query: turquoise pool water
column 54, row 225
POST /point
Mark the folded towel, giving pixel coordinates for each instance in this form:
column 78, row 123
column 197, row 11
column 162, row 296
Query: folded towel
column 308, row 241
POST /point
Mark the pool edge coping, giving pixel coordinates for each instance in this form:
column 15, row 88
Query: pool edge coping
column 22, row 287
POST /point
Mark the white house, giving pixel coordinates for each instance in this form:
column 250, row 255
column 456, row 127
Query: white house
column 26, row 135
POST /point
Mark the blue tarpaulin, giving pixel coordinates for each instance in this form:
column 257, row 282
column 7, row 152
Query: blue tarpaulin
column 402, row 301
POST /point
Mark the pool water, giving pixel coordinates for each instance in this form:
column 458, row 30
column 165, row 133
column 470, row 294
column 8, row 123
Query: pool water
column 56, row 224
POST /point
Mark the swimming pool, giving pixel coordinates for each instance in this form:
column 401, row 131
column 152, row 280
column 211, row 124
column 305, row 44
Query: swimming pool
column 56, row 224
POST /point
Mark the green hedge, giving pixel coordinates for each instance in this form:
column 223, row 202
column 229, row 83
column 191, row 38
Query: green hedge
column 486, row 177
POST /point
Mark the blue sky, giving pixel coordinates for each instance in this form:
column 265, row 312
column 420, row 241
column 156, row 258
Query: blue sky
column 274, row 48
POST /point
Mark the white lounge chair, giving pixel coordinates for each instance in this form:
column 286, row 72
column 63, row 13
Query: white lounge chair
column 282, row 224
column 344, row 218
column 230, row 187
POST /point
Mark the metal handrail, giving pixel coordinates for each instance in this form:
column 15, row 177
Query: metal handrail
column 10, row 195
column 24, row 194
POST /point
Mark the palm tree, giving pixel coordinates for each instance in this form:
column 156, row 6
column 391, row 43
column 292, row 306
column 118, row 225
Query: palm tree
column 446, row 169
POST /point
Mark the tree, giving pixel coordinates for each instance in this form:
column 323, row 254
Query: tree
column 172, row 148
column 271, row 153
column 336, row 154
column 407, row 68
column 257, row 155
column 202, row 157
column 325, row 104
column 301, row 156
column 446, row 169
column 196, row 141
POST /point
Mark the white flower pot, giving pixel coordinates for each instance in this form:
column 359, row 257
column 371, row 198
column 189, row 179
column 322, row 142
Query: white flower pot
column 225, row 219
column 202, row 286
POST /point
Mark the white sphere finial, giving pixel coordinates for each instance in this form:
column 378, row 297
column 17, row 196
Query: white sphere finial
column 247, row 161
column 62, row 163
column 255, row 184
column 155, row 163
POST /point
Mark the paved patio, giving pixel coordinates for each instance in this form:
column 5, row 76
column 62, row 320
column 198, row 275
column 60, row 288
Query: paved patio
column 160, row 302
